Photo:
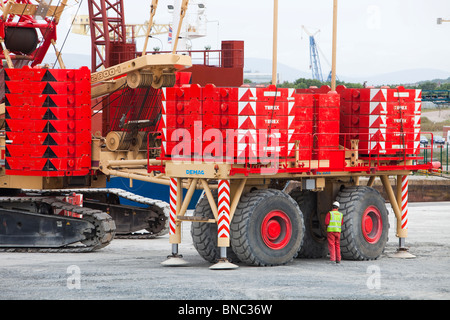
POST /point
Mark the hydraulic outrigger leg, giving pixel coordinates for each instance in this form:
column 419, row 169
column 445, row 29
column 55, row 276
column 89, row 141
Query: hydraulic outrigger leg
column 223, row 224
column 399, row 204
column 222, row 216
column 175, row 201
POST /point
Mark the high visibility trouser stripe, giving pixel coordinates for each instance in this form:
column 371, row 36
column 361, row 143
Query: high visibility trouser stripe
column 334, row 227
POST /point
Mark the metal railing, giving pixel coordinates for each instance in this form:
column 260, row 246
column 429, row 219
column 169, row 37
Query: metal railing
column 309, row 157
column 213, row 58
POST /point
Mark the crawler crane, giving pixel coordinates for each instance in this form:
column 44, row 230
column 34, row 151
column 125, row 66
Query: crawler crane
column 50, row 157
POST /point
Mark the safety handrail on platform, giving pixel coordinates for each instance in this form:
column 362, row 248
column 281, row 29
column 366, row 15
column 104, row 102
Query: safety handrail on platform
column 320, row 160
column 212, row 58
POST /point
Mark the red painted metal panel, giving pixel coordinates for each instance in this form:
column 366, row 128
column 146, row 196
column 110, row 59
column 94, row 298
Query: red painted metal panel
column 45, row 139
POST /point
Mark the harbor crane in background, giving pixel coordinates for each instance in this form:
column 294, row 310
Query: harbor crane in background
column 314, row 55
column 81, row 25
column 314, row 51
column 114, row 40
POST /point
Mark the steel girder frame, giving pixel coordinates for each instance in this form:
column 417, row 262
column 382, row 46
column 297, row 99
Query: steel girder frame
column 107, row 25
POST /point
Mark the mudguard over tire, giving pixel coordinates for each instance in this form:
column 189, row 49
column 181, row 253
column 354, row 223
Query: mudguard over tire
column 267, row 228
column 365, row 229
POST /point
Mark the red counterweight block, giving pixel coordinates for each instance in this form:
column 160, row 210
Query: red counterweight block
column 161, row 125
column 48, row 122
column 326, row 130
column 378, row 116
column 181, row 121
column 248, row 124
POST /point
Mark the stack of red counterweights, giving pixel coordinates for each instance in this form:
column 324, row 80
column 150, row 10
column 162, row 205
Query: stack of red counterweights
column 48, row 122
column 253, row 124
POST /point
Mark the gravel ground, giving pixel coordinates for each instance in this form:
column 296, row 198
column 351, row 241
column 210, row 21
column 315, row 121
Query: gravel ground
column 131, row 269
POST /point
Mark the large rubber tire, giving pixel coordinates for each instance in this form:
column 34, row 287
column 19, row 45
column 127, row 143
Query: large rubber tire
column 204, row 235
column 315, row 241
column 365, row 229
column 267, row 228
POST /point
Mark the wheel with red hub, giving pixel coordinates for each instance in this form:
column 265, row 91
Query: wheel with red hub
column 267, row 228
column 276, row 229
column 372, row 224
column 366, row 224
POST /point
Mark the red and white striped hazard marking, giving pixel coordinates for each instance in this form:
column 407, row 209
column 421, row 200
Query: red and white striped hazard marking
column 377, row 120
column 173, row 205
column 404, row 202
column 224, row 209
column 164, row 120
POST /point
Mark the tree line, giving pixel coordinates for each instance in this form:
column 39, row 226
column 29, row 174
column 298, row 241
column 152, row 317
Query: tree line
column 303, row 83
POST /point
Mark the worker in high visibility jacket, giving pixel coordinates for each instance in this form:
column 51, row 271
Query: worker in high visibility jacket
column 333, row 221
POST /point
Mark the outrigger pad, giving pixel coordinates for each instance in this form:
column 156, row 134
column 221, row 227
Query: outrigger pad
column 223, row 264
column 174, row 261
column 402, row 253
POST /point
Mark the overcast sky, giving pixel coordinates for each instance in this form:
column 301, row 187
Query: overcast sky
column 374, row 36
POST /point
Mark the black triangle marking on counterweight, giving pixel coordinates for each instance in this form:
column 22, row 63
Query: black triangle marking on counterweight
column 49, row 128
column 7, row 154
column 48, row 77
column 49, row 115
column 7, row 167
column 49, row 141
column 48, row 89
column 49, row 154
column 49, row 102
column 7, row 89
column 49, row 166
column 7, row 103
column 7, row 116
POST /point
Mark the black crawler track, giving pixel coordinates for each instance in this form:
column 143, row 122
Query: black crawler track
column 98, row 228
